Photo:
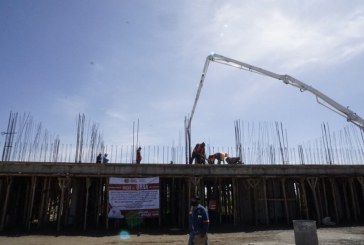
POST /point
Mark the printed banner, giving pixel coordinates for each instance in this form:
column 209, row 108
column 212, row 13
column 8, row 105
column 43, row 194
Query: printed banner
column 140, row 195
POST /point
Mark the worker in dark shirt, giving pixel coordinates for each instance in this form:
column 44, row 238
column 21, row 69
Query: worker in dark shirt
column 105, row 159
column 98, row 158
column 198, row 223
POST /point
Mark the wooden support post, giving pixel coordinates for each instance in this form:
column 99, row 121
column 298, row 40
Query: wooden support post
column 265, row 202
column 252, row 184
column 216, row 196
column 353, row 203
column 319, row 198
column 235, row 201
column 1, row 185
column 67, row 201
column 304, row 198
column 333, row 191
column 188, row 193
column 31, row 202
column 26, row 202
column 227, row 201
column 272, row 193
column 99, row 201
column 107, row 203
column 9, row 181
column 325, row 198
column 256, row 212
column 347, row 208
column 163, row 190
column 183, row 205
column 283, row 184
column 194, row 188
column 41, row 206
column 361, row 181
column 88, row 184
column 196, row 182
column 312, row 181
column 47, row 206
column 239, row 197
column 201, row 191
column 189, row 186
column 61, row 183
column 219, row 205
column 223, row 199
column 173, row 200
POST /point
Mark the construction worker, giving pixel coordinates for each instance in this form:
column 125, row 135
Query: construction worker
column 104, row 159
column 99, row 158
column 198, row 154
column 138, row 155
column 198, row 223
column 220, row 156
column 211, row 159
column 233, row 160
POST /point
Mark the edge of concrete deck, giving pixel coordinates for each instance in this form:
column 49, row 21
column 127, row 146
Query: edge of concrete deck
column 177, row 170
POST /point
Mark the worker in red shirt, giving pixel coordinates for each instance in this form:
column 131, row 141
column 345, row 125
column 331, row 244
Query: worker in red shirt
column 198, row 154
column 138, row 155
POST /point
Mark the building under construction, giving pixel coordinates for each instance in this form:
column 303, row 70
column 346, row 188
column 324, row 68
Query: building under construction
column 38, row 189
column 38, row 195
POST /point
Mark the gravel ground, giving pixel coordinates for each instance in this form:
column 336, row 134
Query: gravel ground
column 326, row 236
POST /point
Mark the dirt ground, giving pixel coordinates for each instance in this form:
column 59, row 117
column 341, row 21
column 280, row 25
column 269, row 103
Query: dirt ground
column 327, row 236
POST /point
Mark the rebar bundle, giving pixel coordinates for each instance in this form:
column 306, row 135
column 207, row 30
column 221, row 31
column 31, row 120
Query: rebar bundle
column 267, row 143
column 255, row 143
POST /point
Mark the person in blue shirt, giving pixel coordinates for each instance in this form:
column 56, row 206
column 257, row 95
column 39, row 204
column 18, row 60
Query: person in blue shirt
column 198, row 223
column 104, row 159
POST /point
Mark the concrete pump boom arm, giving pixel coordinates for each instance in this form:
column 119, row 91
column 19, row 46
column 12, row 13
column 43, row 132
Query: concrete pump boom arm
column 320, row 97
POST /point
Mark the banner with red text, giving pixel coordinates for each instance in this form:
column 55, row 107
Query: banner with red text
column 140, row 195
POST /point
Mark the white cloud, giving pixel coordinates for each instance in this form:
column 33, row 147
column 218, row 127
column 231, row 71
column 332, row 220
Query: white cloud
column 290, row 35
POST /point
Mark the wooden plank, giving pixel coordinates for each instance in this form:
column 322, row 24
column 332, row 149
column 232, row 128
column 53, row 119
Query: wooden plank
column 312, row 181
column 333, row 192
column 9, row 181
column 31, row 202
column 283, row 184
column 88, row 184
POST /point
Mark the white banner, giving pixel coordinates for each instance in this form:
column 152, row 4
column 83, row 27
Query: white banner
column 133, row 194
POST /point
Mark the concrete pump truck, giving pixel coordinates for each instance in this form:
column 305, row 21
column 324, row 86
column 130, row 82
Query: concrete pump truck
column 321, row 98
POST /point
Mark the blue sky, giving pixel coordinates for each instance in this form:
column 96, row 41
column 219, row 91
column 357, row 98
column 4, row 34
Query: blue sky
column 120, row 61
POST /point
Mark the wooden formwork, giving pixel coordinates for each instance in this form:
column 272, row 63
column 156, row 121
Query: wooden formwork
column 58, row 202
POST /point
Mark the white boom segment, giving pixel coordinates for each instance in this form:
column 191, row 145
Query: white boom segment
column 320, row 97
